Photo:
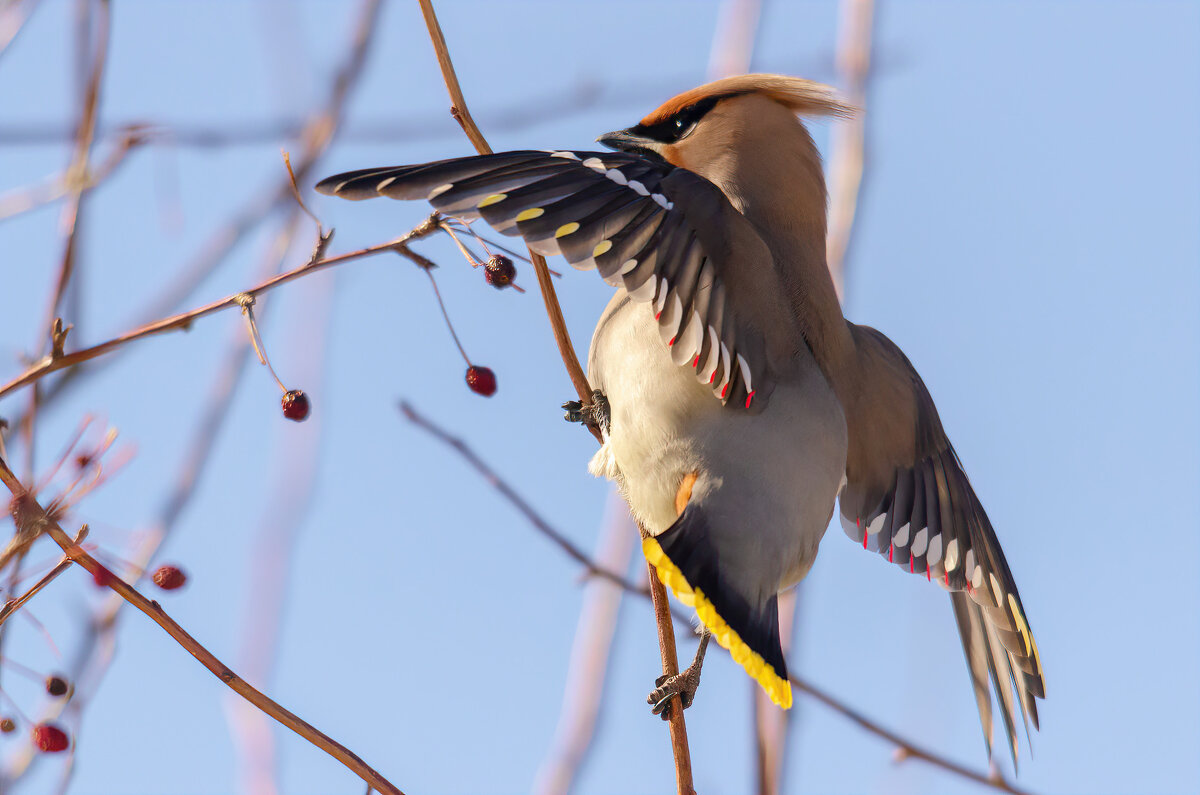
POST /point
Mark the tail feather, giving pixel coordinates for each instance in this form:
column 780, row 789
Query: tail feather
column 687, row 563
column 1003, row 680
column 970, row 628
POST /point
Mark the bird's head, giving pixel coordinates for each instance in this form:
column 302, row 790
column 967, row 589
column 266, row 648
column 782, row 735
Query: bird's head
column 704, row 126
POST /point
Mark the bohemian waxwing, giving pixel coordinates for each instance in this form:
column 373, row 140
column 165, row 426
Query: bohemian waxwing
column 735, row 400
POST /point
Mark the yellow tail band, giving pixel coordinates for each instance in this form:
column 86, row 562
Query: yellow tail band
column 778, row 688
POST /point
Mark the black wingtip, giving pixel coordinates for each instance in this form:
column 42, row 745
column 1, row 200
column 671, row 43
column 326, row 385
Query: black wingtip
column 328, row 186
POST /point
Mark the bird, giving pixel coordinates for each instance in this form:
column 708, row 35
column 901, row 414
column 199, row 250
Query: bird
column 735, row 402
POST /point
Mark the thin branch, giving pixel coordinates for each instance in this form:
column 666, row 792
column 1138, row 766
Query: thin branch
column 316, row 135
column 510, row 494
column 50, row 364
column 905, row 748
column 13, row 605
column 462, row 114
column 446, row 316
column 76, row 176
column 28, row 513
column 93, row 654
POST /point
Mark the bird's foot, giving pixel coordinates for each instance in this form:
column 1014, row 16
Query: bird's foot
column 595, row 414
column 683, row 684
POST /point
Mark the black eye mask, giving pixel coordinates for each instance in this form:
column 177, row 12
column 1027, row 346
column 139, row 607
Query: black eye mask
column 672, row 129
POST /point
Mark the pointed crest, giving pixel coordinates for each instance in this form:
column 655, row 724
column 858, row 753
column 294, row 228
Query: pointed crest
column 802, row 96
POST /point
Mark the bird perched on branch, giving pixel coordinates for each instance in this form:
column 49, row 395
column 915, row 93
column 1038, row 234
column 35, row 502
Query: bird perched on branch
column 735, row 400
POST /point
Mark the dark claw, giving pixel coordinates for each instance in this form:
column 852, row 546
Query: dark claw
column 594, row 414
column 574, row 411
column 666, row 688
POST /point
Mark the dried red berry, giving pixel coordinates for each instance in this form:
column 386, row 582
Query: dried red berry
column 499, row 271
column 169, row 578
column 49, row 738
column 481, row 380
column 56, row 686
column 8, row 725
column 295, row 405
column 103, row 577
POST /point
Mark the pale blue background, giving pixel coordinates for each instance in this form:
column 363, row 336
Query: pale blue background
column 1028, row 234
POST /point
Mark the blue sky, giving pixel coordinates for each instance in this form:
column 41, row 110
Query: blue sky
column 1028, row 234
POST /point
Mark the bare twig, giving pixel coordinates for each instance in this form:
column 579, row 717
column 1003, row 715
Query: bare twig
column 462, row 114
column 76, row 176
column 13, row 605
column 29, row 513
column 29, row 198
column 315, row 135
column 906, row 748
column 498, row 483
column 848, row 136
column 47, row 365
column 446, row 316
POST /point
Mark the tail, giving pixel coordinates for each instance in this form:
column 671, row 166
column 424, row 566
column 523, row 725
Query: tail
column 987, row 658
column 687, row 562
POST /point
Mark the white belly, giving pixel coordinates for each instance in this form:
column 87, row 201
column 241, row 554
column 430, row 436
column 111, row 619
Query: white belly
column 780, row 469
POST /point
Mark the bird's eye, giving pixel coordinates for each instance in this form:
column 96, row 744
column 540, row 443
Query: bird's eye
column 679, row 124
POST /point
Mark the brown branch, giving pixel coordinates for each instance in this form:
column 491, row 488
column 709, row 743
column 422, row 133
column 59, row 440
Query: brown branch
column 13, row 605
column 315, row 136
column 76, row 176
column 662, row 612
column 94, row 653
column 541, row 525
column 50, row 364
column 462, row 114
column 30, row 515
column 905, row 748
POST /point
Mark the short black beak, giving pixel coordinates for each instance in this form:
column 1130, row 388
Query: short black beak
column 624, row 141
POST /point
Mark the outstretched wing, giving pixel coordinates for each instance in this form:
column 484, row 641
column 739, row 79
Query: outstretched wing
column 663, row 233
column 908, row 499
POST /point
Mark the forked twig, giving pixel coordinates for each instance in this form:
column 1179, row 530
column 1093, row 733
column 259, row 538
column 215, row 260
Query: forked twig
column 34, row 518
column 183, row 320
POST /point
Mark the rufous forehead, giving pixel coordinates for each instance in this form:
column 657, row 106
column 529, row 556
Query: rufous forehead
column 684, row 100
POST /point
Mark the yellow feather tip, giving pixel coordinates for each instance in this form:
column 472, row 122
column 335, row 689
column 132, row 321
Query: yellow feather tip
column 779, row 689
